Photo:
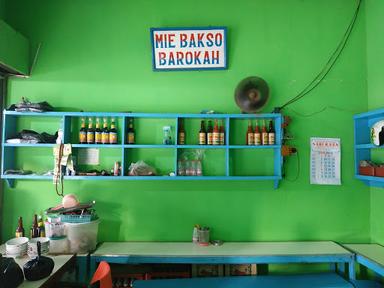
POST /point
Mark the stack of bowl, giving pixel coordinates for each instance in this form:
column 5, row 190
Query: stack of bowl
column 32, row 246
column 16, row 247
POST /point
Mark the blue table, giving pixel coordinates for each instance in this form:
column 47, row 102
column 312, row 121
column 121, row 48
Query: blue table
column 229, row 253
column 369, row 255
column 329, row 280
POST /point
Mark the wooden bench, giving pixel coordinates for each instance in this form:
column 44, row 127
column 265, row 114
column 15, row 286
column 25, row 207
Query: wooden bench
column 327, row 280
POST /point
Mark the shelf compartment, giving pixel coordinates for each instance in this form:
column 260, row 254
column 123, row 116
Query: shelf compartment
column 107, row 159
column 251, row 163
column 14, row 124
column 213, row 161
column 73, row 125
column 149, row 131
column 162, row 159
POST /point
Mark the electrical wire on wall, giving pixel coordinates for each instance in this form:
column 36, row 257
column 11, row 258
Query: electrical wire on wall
column 329, row 65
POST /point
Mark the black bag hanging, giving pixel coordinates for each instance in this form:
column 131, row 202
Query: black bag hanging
column 38, row 268
column 11, row 274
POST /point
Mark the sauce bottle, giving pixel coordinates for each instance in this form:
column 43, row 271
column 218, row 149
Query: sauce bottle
column 264, row 135
column 105, row 132
column 257, row 135
column 113, row 132
column 222, row 133
column 216, row 134
column 35, row 228
column 90, row 132
column 209, row 133
column 271, row 133
column 83, row 132
column 40, row 225
column 20, row 229
column 202, row 134
column 98, row 132
column 130, row 132
column 181, row 134
column 250, row 140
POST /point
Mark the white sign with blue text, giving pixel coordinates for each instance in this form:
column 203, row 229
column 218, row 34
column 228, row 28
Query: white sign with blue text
column 189, row 48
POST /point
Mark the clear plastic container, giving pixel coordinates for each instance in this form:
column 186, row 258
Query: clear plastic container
column 82, row 237
column 54, row 230
column 59, row 246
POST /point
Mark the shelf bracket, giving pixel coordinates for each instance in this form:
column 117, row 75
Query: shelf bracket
column 11, row 183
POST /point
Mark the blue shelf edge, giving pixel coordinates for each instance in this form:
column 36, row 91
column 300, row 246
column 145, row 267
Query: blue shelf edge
column 143, row 115
column 40, row 177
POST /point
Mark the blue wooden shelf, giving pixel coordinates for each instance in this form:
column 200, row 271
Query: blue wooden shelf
column 29, row 145
column 362, row 148
column 97, row 146
column 10, row 119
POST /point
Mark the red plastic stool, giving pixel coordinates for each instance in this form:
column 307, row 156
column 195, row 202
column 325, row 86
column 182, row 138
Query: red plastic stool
column 103, row 274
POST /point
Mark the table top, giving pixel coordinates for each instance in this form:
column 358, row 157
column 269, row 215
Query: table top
column 373, row 252
column 251, row 249
column 59, row 260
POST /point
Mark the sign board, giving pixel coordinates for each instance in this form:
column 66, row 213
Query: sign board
column 189, row 48
column 325, row 161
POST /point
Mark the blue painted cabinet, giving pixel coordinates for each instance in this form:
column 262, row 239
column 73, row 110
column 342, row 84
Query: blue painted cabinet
column 364, row 149
column 230, row 155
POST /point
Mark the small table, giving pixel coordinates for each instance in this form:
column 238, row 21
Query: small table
column 228, row 253
column 369, row 255
column 62, row 263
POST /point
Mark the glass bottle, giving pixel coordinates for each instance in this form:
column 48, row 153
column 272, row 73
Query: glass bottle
column 210, row 133
column 40, row 225
column 130, row 132
column 20, row 229
column 250, row 140
column 98, row 132
column 35, row 228
column 216, row 134
column 83, row 132
column 222, row 133
column 264, row 134
column 105, row 132
column 113, row 132
column 202, row 134
column 90, row 132
column 257, row 134
column 181, row 134
column 271, row 133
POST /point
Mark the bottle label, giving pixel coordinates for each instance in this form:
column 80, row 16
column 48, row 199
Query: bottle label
column 271, row 138
column 216, row 138
column 250, row 139
column 202, row 140
column 19, row 234
column 131, row 138
column 257, row 137
column 105, row 138
column 112, row 137
column 181, row 138
column 90, row 137
column 98, row 137
column 83, row 137
column 210, row 138
column 222, row 138
column 264, row 138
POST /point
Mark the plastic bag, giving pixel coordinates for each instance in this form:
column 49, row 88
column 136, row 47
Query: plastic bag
column 140, row 168
column 38, row 268
column 11, row 274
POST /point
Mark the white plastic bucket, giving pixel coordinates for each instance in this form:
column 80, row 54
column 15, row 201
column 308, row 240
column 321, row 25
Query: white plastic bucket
column 82, row 237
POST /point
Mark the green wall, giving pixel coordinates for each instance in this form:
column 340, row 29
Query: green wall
column 96, row 56
column 375, row 62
